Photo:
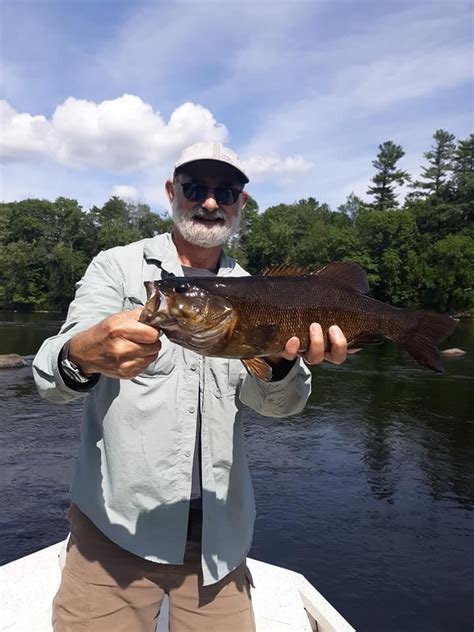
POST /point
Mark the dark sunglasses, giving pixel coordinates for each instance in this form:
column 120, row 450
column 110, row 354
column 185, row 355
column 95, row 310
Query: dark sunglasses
column 198, row 193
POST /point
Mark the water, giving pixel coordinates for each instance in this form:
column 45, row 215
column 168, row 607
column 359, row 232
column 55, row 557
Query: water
column 369, row 492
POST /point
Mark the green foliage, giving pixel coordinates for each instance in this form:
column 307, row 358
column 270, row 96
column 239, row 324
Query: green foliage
column 45, row 246
column 420, row 255
column 387, row 176
column 449, row 269
column 440, row 159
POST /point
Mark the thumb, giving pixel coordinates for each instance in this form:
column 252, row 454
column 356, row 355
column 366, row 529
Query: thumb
column 133, row 314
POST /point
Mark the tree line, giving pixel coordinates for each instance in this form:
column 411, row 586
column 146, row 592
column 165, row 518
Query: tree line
column 419, row 253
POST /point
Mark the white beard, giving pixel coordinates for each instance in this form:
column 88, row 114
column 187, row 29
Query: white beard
column 200, row 234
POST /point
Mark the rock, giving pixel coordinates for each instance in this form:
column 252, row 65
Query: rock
column 453, row 352
column 11, row 361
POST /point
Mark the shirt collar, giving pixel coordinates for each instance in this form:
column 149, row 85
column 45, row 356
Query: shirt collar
column 162, row 249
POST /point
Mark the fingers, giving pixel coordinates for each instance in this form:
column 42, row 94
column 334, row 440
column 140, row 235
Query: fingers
column 118, row 346
column 291, row 348
column 124, row 349
column 337, row 346
column 126, row 325
column 129, row 370
column 315, row 353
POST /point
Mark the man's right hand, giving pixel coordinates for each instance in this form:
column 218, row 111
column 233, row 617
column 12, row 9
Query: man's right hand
column 119, row 346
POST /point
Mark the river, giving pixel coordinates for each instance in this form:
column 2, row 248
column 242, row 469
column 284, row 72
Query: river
column 369, row 492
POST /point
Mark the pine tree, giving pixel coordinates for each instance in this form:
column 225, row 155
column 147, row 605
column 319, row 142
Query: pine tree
column 440, row 157
column 463, row 167
column 387, row 176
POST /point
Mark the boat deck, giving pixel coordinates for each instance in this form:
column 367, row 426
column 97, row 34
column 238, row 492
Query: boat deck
column 284, row 601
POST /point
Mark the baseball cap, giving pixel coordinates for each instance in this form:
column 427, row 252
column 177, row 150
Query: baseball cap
column 211, row 151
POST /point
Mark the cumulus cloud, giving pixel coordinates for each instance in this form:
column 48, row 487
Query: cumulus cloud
column 22, row 134
column 261, row 167
column 123, row 134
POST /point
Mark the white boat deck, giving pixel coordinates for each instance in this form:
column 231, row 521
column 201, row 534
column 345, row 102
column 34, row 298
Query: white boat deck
column 284, row 601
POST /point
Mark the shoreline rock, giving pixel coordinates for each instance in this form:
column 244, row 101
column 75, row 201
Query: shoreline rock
column 453, row 352
column 11, row 361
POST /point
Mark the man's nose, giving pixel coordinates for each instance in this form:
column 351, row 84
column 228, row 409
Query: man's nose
column 210, row 203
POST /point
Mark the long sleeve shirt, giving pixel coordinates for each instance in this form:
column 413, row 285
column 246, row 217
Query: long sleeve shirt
column 133, row 475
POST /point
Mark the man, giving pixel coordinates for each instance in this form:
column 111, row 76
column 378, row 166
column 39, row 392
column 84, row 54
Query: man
column 162, row 501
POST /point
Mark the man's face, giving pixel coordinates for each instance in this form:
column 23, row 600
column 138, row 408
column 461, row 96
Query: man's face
column 211, row 216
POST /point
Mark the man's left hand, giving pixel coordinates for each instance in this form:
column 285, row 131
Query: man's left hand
column 316, row 354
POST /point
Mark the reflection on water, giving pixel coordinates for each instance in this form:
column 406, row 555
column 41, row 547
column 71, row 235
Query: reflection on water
column 369, row 492
column 24, row 333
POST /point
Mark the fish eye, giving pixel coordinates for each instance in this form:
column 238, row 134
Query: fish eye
column 181, row 289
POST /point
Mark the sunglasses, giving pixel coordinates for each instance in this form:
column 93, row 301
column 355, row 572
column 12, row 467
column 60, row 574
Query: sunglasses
column 198, row 193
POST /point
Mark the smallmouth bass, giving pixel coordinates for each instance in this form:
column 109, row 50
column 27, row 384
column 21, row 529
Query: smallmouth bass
column 252, row 317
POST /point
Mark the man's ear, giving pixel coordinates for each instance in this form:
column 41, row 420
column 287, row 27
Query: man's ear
column 245, row 197
column 169, row 186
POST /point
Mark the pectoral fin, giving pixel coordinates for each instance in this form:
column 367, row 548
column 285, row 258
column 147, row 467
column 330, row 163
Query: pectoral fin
column 259, row 368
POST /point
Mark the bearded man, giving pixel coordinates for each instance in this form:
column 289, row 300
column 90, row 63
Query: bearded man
column 162, row 501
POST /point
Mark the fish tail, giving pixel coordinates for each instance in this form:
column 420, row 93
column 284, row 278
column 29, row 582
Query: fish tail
column 422, row 338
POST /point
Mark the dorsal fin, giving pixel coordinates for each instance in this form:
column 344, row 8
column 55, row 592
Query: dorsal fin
column 286, row 269
column 345, row 272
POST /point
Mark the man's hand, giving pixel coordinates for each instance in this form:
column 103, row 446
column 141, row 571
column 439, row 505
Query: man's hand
column 119, row 346
column 316, row 353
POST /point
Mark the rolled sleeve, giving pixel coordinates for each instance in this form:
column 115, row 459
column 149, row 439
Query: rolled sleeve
column 48, row 378
column 284, row 397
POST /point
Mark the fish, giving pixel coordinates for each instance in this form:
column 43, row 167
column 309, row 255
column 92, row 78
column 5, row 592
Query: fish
column 251, row 317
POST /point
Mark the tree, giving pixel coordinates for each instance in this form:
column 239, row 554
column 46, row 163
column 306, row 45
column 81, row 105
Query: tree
column 437, row 173
column 148, row 223
column 237, row 246
column 113, row 224
column 449, row 273
column 351, row 206
column 463, row 167
column 390, row 239
column 387, row 176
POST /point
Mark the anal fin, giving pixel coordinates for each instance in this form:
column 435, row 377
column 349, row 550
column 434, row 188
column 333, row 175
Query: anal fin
column 366, row 339
column 259, row 368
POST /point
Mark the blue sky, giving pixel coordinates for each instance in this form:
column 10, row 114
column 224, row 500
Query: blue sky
column 100, row 97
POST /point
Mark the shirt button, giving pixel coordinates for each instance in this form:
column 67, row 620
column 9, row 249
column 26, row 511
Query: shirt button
column 193, row 367
column 187, row 453
column 192, row 409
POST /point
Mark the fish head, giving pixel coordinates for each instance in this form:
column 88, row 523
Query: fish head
column 188, row 314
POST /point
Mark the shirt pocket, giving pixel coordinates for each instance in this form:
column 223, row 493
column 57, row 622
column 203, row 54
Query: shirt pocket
column 165, row 363
column 223, row 376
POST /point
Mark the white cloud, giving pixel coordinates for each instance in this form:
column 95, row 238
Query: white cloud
column 125, row 192
column 122, row 134
column 260, row 167
column 22, row 134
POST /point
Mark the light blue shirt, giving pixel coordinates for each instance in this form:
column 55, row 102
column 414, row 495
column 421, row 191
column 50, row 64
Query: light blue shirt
column 134, row 470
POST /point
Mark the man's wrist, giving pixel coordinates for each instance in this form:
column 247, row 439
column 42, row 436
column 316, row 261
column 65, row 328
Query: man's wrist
column 280, row 367
column 72, row 374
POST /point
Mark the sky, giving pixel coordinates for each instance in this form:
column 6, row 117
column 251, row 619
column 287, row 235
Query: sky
column 98, row 98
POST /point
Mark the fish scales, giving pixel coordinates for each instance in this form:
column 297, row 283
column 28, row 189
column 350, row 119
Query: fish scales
column 251, row 317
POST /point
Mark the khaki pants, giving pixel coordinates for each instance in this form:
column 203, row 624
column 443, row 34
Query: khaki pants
column 107, row 589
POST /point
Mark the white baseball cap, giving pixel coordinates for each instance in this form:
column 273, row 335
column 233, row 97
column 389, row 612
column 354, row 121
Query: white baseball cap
column 211, row 151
